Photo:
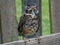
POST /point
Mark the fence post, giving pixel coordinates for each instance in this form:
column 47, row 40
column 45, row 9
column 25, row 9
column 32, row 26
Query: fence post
column 0, row 33
column 40, row 15
column 55, row 15
column 8, row 24
column 0, row 27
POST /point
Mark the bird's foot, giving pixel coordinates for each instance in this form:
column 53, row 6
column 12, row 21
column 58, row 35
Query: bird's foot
column 26, row 40
column 38, row 38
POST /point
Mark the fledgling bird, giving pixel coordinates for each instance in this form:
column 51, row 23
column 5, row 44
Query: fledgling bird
column 29, row 23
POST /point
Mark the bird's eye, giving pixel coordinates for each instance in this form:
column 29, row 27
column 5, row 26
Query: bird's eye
column 26, row 11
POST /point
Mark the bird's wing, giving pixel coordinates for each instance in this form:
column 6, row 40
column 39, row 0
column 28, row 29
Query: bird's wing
column 20, row 25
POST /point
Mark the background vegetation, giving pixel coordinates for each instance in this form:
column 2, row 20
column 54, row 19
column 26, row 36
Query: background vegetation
column 45, row 17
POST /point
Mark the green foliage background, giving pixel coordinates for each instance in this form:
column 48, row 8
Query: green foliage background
column 45, row 15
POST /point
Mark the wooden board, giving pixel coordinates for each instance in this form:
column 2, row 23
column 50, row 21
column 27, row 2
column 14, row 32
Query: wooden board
column 8, row 21
column 55, row 15
column 53, row 39
column 0, row 28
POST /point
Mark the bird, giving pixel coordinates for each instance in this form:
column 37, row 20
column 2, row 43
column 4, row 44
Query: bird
column 29, row 22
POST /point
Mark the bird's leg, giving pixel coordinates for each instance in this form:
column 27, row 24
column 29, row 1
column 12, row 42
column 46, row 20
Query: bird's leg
column 38, row 38
column 25, row 40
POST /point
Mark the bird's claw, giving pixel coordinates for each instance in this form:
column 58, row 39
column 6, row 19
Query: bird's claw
column 38, row 38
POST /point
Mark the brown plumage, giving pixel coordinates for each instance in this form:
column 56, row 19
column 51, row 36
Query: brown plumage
column 25, row 30
column 28, row 24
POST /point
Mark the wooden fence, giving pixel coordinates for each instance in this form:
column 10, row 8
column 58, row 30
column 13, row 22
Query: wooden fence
column 8, row 25
column 53, row 39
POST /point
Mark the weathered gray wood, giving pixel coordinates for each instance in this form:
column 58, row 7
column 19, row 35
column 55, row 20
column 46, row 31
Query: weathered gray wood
column 55, row 15
column 0, row 29
column 53, row 39
column 8, row 21
column 0, row 22
column 40, row 15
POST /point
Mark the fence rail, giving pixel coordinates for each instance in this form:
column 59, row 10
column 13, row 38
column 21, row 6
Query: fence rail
column 53, row 39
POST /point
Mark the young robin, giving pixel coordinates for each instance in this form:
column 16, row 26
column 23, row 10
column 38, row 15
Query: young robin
column 29, row 23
